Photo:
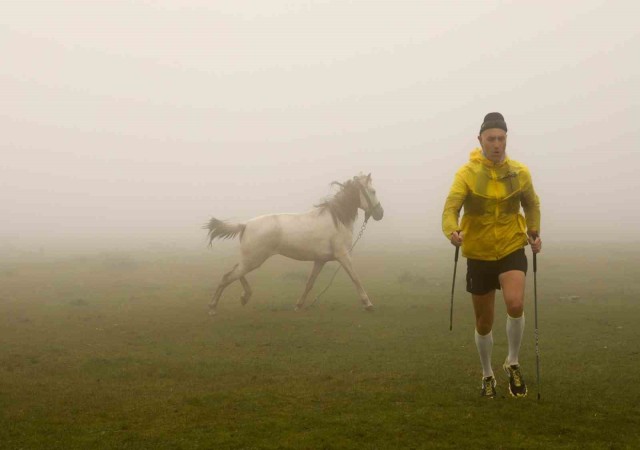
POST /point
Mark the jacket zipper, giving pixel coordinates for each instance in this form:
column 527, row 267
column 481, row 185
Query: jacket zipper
column 495, row 222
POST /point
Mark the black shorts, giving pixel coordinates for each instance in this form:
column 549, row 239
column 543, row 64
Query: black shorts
column 482, row 276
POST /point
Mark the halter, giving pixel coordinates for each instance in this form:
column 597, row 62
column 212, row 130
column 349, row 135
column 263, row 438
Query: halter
column 367, row 198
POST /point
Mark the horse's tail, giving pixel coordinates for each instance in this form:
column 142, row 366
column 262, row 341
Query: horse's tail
column 219, row 229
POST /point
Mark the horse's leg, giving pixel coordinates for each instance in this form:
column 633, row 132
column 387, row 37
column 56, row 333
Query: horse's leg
column 345, row 261
column 244, row 299
column 317, row 267
column 227, row 279
column 247, row 263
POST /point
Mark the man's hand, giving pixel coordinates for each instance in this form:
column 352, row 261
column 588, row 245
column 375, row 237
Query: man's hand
column 456, row 238
column 535, row 242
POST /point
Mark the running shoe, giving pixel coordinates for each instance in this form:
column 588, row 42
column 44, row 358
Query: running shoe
column 488, row 387
column 517, row 386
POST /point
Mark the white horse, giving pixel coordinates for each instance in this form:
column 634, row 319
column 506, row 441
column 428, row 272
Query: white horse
column 320, row 235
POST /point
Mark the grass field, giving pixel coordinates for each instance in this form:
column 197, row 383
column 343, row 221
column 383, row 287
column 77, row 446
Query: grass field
column 116, row 350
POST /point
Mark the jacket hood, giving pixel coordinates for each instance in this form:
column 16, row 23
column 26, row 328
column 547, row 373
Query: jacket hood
column 477, row 156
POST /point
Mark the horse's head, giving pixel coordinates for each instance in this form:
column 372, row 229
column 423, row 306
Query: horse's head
column 369, row 202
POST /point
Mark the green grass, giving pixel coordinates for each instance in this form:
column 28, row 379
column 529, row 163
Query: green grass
column 117, row 351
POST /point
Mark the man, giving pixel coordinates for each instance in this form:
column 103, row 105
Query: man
column 493, row 233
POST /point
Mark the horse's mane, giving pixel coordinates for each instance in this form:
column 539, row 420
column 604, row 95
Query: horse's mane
column 343, row 206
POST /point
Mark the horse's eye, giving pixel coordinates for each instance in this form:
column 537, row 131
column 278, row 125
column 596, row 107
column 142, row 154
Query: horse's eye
column 373, row 191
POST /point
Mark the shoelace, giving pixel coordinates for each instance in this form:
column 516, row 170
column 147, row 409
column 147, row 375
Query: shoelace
column 488, row 386
column 517, row 377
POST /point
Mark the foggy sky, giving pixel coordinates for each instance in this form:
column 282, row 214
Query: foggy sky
column 137, row 121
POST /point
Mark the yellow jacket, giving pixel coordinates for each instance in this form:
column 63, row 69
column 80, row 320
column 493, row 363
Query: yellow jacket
column 491, row 194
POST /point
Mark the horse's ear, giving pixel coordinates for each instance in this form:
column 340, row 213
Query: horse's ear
column 369, row 177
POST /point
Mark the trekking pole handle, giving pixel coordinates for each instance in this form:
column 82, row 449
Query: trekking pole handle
column 457, row 246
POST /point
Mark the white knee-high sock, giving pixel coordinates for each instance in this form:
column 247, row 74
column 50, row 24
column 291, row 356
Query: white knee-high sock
column 485, row 346
column 515, row 329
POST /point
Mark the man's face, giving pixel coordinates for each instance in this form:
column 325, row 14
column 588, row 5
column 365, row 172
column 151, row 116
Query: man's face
column 494, row 144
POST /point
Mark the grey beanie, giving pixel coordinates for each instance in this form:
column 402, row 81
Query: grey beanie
column 493, row 120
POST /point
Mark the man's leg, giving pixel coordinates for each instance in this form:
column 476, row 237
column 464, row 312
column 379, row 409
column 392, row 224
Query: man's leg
column 483, row 306
column 513, row 283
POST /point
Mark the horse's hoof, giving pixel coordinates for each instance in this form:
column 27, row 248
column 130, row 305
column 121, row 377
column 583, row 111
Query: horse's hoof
column 244, row 300
column 369, row 307
column 212, row 312
column 298, row 308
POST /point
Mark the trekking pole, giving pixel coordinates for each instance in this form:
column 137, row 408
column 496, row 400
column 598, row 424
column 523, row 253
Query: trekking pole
column 535, row 303
column 453, row 285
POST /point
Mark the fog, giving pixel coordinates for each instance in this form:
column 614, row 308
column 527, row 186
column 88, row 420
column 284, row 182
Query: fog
column 132, row 123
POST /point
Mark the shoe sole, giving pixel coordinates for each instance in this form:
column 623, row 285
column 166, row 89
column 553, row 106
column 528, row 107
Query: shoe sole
column 517, row 395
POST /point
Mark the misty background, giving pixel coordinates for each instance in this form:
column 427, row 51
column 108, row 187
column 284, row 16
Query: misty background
column 132, row 123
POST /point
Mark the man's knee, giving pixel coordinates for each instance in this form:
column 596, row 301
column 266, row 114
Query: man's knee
column 483, row 328
column 514, row 300
column 484, row 324
column 515, row 307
